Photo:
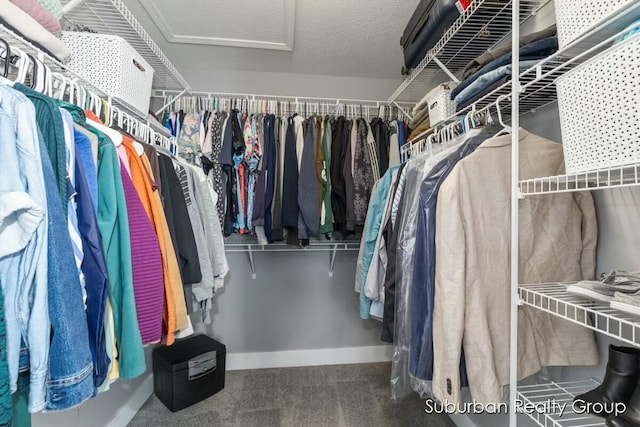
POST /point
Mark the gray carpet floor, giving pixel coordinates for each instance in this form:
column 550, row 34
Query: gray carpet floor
column 342, row 395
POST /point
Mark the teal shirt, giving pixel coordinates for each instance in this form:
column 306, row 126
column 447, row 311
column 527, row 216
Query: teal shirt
column 370, row 233
column 113, row 223
column 50, row 123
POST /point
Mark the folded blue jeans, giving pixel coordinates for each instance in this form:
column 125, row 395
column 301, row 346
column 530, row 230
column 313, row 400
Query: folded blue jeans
column 488, row 79
column 536, row 50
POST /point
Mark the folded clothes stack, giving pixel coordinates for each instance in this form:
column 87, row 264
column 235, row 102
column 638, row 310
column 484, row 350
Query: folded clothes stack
column 40, row 14
column 53, row 6
column 420, row 116
column 630, row 31
column 492, row 69
column 13, row 16
column 619, row 288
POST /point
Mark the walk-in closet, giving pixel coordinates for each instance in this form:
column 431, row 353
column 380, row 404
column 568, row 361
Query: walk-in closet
column 320, row 213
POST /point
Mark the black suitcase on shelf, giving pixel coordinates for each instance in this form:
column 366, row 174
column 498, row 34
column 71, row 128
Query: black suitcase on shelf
column 428, row 23
column 189, row 371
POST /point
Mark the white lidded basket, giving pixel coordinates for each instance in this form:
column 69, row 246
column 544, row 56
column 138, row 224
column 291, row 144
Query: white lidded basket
column 599, row 109
column 576, row 17
column 112, row 65
column 441, row 107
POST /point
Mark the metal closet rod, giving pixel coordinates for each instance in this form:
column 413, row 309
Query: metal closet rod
column 178, row 94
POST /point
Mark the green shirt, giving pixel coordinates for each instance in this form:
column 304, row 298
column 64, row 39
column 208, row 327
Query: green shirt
column 113, row 224
column 50, row 123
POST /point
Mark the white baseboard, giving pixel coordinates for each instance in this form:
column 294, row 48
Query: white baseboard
column 126, row 413
column 318, row 357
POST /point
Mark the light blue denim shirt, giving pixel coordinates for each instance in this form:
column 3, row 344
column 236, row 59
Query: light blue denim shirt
column 23, row 274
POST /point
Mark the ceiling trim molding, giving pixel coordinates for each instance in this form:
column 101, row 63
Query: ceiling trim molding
column 286, row 44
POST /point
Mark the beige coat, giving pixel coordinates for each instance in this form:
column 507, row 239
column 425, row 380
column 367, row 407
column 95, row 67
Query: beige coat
column 558, row 236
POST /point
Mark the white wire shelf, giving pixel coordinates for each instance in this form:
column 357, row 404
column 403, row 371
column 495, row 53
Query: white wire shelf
column 480, row 27
column 553, row 298
column 245, row 243
column 14, row 39
column 559, row 394
column 538, row 82
column 248, row 244
column 615, row 177
column 113, row 17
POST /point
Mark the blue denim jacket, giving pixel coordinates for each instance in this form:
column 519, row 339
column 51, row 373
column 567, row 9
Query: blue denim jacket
column 23, row 273
column 70, row 379
column 423, row 284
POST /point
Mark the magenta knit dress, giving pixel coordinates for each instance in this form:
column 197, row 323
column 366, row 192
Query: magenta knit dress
column 146, row 260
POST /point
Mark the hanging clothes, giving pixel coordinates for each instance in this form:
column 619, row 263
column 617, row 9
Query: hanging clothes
column 363, row 179
column 348, row 148
column 326, row 210
column 239, row 187
column 381, row 136
column 405, row 207
column 338, row 191
column 565, row 247
column 230, row 186
column 180, row 227
column 277, row 233
column 27, row 204
column 308, row 207
column 93, row 264
column 113, row 214
column 146, row 263
column 88, row 270
column 290, row 207
column 270, row 175
column 422, row 287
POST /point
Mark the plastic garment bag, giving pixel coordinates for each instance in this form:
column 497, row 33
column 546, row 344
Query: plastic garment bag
column 402, row 382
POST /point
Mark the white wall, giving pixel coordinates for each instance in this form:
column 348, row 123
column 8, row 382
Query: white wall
column 289, row 84
column 292, row 304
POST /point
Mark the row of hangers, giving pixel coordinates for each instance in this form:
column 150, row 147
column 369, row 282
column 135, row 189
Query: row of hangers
column 283, row 107
column 21, row 67
column 450, row 132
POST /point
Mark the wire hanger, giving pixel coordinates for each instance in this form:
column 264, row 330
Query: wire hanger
column 506, row 128
column 4, row 78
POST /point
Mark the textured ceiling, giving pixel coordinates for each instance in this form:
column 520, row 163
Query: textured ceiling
column 358, row 38
column 272, row 28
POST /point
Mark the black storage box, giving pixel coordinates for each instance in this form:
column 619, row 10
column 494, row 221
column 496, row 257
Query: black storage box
column 189, row 371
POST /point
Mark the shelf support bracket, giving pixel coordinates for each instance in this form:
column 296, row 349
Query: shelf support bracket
column 71, row 5
column 446, row 70
column 171, row 101
column 407, row 115
column 334, row 251
column 251, row 263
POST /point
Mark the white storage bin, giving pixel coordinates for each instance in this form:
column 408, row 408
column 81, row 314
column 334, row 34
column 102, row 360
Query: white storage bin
column 599, row 109
column 112, row 65
column 441, row 107
column 576, row 17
